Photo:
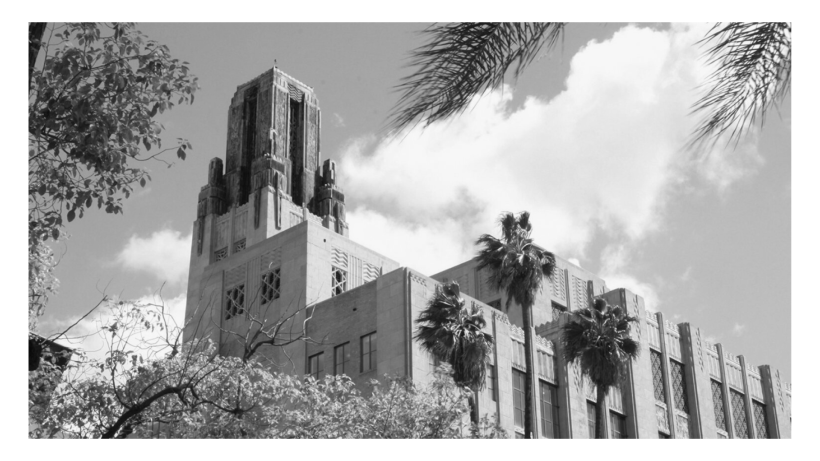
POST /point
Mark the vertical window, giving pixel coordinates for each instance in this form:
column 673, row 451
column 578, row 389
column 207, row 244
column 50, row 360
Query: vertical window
column 368, row 352
column 617, row 425
column 491, row 387
column 341, row 358
column 678, row 386
column 518, row 397
column 549, row 411
column 270, row 285
column 338, row 283
column 717, row 402
column 740, row 424
column 761, row 429
column 591, row 414
column 657, row 377
column 234, row 301
column 316, row 366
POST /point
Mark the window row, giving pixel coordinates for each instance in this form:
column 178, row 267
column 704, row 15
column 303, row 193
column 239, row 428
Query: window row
column 341, row 358
column 270, row 288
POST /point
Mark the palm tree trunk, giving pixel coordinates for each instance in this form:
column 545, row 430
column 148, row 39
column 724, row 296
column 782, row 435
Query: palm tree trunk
column 472, row 399
column 529, row 427
column 600, row 413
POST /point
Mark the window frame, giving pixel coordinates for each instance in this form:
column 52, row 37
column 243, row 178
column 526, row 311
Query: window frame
column 617, row 425
column 518, row 379
column 345, row 349
column 371, row 352
column 317, row 374
column 232, row 307
column 554, row 424
column 272, row 289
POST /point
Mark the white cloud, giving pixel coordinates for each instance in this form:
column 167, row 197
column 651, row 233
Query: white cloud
column 338, row 121
column 164, row 254
column 604, row 153
column 87, row 334
column 737, row 329
column 614, row 270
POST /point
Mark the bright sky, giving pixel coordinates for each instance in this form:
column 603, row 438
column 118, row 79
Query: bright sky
column 588, row 140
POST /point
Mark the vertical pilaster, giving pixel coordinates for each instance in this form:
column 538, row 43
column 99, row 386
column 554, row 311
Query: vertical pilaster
column 727, row 396
column 667, row 387
column 747, row 397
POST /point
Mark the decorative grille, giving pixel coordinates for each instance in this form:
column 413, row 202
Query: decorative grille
column 579, row 299
column 740, row 424
column 755, row 386
column 557, row 311
column 761, row 430
column 370, row 273
column 270, row 286
column 657, row 377
column 678, row 386
column 219, row 255
column 558, row 284
column 239, row 246
column 717, row 401
column 338, row 284
column 234, row 302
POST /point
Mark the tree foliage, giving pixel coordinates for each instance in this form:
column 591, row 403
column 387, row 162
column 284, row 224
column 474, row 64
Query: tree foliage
column 452, row 332
column 149, row 384
column 598, row 340
column 92, row 108
column 517, row 267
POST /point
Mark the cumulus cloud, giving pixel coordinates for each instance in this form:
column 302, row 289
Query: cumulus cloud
column 164, row 254
column 604, row 154
column 614, row 270
column 88, row 336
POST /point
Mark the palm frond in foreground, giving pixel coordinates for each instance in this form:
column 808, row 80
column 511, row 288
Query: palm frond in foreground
column 754, row 63
column 462, row 60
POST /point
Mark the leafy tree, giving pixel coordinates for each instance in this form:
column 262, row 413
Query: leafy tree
column 463, row 60
column 452, row 333
column 92, row 109
column 150, row 384
column 598, row 338
column 517, row 267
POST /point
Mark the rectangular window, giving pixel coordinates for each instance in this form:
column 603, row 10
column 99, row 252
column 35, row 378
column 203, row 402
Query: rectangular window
column 657, row 377
column 338, row 284
column 491, row 387
column 270, row 285
column 368, row 352
column 341, row 359
column 617, row 425
column 717, row 402
column 740, row 424
column 761, row 429
column 518, row 357
column 234, row 301
column 678, row 386
column 518, row 379
column 316, row 366
column 591, row 415
column 549, row 410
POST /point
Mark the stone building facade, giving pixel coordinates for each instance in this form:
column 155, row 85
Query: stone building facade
column 271, row 243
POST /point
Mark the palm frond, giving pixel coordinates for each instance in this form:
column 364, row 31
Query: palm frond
column 453, row 333
column 462, row 60
column 598, row 338
column 754, row 71
column 515, row 263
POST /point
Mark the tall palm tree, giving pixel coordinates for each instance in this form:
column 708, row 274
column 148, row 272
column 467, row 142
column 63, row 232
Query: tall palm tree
column 517, row 267
column 452, row 333
column 599, row 339
column 463, row 60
